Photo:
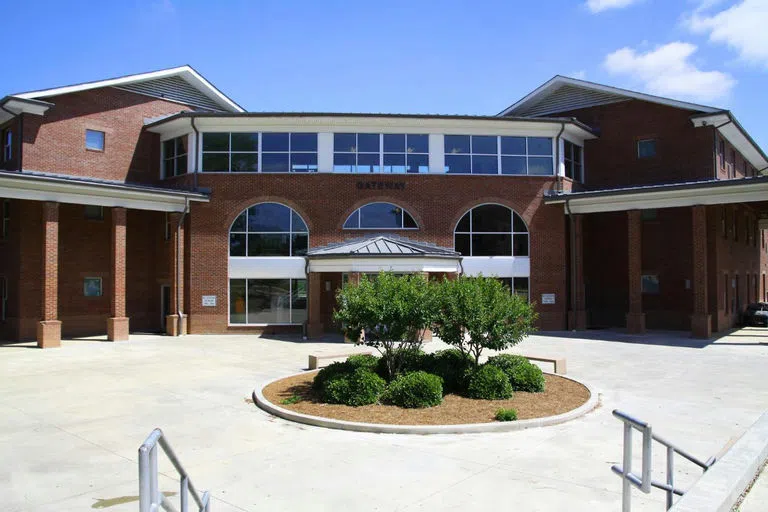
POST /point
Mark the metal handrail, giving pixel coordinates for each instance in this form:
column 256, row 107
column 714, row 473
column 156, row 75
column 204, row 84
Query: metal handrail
column 150, row 497
column 645, row 481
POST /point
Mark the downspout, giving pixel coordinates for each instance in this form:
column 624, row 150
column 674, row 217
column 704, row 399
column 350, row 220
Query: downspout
column 197, row 148
column 572, row 247
column 179, row 248
column 557, row 158
column 309, row 292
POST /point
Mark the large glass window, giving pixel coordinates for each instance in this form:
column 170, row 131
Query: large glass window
column 268, row 229
column 289, row 152
column 239, row 152
column 490, row 154
column 380, row 216
column 267, row 301
column 175, row 156
column 573, row 161
column 491, row 230
column 7, row 144
column 374, row 152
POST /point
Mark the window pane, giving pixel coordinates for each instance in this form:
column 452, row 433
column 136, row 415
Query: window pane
column 169, row 148
column 540, row 166
column 368, row 142
column 303, row 162
column 491, row 245
column 94, row 140
column 484, row 144
column 274, row 142
column 418, row 163
column 485, row 165
column 381, row 215
column 300, row 243
column 394, row 162
column 237, row 244
column 513, row 165
column 169, row 167
column 181, row 165
column 458, row 164
column 274, row 162
column 299, row 301
column 368, row 162
column 245, row 162
column 521, row 287
column 463, row 224
column 456, row 144
column 239, row 224
column 303, row 142
column 353, row 221
column 269, row 301
column 408, row 221
column 268, row 245
column 215, row 142
column 343, row 162
column 215, row 162
column 269, row 217
column 518, row 225
column 539, row 146
column 492, row 218
column 418, row 144
column 237, row 301
column 344, row 142
column 394, row 143
column 646, row 148
column 181, row 145
column 513, row 145
column 461, row 244
column 298, row 223
column 245, row 142
column 521, row 245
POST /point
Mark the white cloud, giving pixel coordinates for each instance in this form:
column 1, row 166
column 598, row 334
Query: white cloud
column 604, row 5
column 668, row 71
column 580, row 75
column 742, row 27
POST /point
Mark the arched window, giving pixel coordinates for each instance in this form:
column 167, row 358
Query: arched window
column 268, row 229
column 491, row 230
column 380, row 216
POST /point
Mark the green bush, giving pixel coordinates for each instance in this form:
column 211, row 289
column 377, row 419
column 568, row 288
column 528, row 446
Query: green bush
column 506, row 415
column 329, row 372
column 407, row 361
column 363, row 361
column 361, row 387
column 507, row 363
column 489, row 383
column 451, row 365
column 527, row 377
column 415, row 390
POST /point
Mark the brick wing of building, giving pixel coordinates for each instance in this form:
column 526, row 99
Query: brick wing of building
column 153, row 202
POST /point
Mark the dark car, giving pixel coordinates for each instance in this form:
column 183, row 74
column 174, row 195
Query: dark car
column 756, row 314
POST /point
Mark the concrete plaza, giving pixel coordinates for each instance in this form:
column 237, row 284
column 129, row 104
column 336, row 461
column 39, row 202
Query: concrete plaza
column 73, row 418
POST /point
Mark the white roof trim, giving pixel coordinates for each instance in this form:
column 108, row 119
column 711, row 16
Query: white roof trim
column 558, row 81
column 735, row 135
column 185, row 72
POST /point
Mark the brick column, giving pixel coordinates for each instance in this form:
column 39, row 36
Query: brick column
column 49, row 329
column 701, row 322
column 577, row 316
column 315, row 327
column 635, row 316
column 175, row 324
column 117, row 323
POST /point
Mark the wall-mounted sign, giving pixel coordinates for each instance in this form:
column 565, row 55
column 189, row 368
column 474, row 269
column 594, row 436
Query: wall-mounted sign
column 547, row 298
column 380, row 185
column 209, row 300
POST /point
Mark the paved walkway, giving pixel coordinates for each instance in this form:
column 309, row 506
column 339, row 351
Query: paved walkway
column 73, row 418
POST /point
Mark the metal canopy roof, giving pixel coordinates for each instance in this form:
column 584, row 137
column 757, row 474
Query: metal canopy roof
column 383, row 246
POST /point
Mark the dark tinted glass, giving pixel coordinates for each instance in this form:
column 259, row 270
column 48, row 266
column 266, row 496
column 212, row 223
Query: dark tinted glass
column 521, row 245
column 353, row 222
column 461, row 244
column 298, row 223
column 456, row 144
column 181, row 164
column 274, row 142
column 394, row 143
column 215, row 162
column 269, row 217
column 240, row 222
column 169, row 148
column 298, row 300
column 245, row 162
column 394, row 162
column 408, row 221
column 418, row 143
column 518, row 224
column 485, row 165
column 237, row 301
column 368, row 142
column 459, row 164
column 300, row 243
column 513, row 145
column 269, row 301
column 513, row 165
column 181, row 145
column 381, row 215
column 491, row 245
column 463, row 224
column 245, row 142
column 215, row 142
column 492, row 218
column 303, row 162
column 344, row 142
column 418, row 163
column 237, row 244
column 368, row 162
column 303, row 142
column 540, row 166
column 484, row 144
column 646, row 148
column 274, row 162
column 521, row 287
column 539, row 146
column 343, row 162
column 269, row 245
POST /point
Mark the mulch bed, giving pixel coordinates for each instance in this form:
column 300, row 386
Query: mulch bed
column 560, row 395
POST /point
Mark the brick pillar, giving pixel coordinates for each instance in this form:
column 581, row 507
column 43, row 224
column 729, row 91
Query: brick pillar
column 175, row 324
column 315, row 327
column 635, row 316
column 701, row 322
column 577, row 316
column 49, row 328
column 117, row 323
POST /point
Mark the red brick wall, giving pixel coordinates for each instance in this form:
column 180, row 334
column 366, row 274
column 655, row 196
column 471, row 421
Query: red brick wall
column 55, row 142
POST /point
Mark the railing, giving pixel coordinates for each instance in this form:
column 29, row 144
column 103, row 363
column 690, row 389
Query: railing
column 644, row 482
column 150, row 497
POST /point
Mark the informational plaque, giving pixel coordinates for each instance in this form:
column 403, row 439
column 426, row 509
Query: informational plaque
column 209, row 300
column 547, row 298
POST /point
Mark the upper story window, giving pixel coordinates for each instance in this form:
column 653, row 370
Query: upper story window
column 491, row 230
column 175, row 156
column 235, row 152
column 94, row 140
column 239, row 152
column 289, row 152
column 268, row 229
column 380, row 216
column 7, row 144
column 490, row 154
column 93, row 212
column 573, row 157
column 376, row 152
column 646, row 148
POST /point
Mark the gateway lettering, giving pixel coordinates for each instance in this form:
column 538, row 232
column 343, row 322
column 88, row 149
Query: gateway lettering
column 380, row 185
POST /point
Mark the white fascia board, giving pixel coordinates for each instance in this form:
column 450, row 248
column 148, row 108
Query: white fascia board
column 93, row 194
column 381, row 264
column 192, row 76
column 731, row 132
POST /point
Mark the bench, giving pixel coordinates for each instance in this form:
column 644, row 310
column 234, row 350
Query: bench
column 316, row 359
column 560, row 368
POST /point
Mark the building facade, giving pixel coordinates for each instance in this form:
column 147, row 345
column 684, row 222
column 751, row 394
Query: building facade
column 153, row 202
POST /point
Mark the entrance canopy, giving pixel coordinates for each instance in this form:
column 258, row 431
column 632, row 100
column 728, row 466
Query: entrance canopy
column 383, row 253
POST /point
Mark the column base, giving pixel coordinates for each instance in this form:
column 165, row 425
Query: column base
column 117, row 328
column 636, row 323
column 175, row 328
column 577, row 320
column 49, row 334
column 315, row 330
column 701, row 326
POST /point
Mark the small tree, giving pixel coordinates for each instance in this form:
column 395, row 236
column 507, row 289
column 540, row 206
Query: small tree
column 477, row 313
column 389, row 313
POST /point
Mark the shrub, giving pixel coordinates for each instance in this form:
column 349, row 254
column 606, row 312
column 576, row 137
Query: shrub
column 329, row 372
column 415, row 390
column 406, row 361
column 506, row 415
column 451, row 365
column 363, row 361
column 527, row 377
column 361, row 387
column 293, row 399
column 489, row 383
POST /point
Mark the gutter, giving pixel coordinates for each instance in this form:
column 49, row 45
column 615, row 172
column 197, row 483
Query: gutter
column 197, row 149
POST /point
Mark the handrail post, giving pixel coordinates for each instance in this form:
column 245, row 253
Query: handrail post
column 183, row 496
column 153, row 487
column 145, row 491
column 670, row 476
column 626, row 489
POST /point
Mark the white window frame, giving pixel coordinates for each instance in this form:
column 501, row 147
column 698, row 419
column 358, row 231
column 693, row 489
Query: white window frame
column 381, row 152
column 290, row 232
column 499, row 155
column 103, row 140
column 512, row 232
column 579, row 179
column 259, row 153
column 402, row 220
column 175, row 157
column 262, row 324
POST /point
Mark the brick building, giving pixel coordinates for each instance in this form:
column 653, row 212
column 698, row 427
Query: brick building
column 153, row 202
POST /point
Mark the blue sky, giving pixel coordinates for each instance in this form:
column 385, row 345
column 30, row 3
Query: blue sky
column 465, row 57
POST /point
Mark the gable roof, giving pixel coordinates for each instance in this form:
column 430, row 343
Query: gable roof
column 382, row 245
column 180, row 84
column 561, row 94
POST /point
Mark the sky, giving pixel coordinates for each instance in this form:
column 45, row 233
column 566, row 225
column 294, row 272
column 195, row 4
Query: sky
column 402, row 56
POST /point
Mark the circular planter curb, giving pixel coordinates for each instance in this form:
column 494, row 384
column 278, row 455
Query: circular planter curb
column 384, row 428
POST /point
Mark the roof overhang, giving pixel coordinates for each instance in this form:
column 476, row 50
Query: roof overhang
column 71, row 190
column 747, row 190
column 11, row 106
column 730, row 128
